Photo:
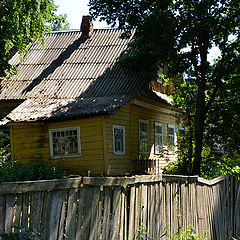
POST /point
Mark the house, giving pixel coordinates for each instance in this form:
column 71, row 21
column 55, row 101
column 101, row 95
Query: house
column 72, row 103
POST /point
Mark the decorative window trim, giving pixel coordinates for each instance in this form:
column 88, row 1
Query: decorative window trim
column 51, row 131
column 119, row 152
column 173, row 149
column 158, row 135
column 147, row 135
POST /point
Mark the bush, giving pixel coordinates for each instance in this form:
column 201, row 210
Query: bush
column 212, row 166
column 23, row 234
column 188, row 234
column 12, row 170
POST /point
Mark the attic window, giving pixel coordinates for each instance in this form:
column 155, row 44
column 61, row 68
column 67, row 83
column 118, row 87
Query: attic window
column 65, row 142
column 159, row 75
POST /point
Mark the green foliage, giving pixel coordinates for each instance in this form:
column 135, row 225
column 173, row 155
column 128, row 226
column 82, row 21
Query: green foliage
column 59, row 23
column 23, row 234
column 213, row 165
column 182, row 234
column 187, row 234
column 142, row 232
column 20, row 23
column 12, row 170
column 182, row 34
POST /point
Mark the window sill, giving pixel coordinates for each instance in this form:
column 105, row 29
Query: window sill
column 67, row 156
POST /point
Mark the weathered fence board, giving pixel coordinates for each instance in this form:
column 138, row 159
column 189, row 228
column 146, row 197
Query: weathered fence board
column 115, row 208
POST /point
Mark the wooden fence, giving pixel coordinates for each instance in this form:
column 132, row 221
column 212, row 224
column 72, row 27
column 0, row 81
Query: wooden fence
column 114, row 207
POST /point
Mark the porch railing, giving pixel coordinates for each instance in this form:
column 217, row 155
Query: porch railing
column 148, row 166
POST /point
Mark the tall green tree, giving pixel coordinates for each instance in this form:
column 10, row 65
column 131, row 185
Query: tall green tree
column 181, row 33
column 59, row 23
column 22, row 21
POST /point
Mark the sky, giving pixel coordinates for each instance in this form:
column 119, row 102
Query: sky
column 75, row 9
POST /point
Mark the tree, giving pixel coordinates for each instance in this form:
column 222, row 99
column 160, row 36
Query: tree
column 20, row 23
column 181, row 34
column 59, row 23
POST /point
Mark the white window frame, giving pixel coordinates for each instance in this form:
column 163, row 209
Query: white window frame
column 65, row 155
column 159, row 77
column 147, row 135
column 172, row 150
column 119, row 152
column 156, row 151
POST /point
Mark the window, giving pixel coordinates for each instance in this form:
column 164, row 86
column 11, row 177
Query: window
column 181, row 132
column 158, row 130
column 118, row 140
column 159, row 75
column 171, row 138
column 143, row 136
column 65, row 142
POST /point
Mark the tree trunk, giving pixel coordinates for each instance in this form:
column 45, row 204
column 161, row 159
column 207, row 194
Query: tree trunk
column 199, row 129
column 201, row 107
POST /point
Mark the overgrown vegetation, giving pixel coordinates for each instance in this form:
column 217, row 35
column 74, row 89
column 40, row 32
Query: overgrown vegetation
column 22, row 234
column 182, row 35
column 12, row 170
column 182, row 234
column 215, row 163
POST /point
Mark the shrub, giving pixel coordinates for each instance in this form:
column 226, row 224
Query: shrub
column 182, row 234
column 211, row 167
column 23, row 234
column 12, row 170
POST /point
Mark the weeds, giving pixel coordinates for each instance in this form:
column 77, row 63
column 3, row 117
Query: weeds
column 182, row 234
column 22, row 234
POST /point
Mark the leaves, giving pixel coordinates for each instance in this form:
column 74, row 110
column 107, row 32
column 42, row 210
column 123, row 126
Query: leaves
column 22, row 21
column 181, row 35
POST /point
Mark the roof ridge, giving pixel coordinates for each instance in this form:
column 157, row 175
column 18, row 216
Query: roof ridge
column 78, row 30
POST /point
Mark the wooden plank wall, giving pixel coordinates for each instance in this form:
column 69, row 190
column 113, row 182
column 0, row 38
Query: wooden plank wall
column 118, row 164
column 152, row 116
column 115, row 207
column 30, row 142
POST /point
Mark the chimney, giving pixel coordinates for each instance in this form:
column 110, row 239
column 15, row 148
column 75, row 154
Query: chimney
column 86, row 26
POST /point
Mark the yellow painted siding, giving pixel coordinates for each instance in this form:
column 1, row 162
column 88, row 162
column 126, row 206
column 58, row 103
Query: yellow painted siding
column 31, row 142
column 118, row 164
column 128, row 116
column 152, row 116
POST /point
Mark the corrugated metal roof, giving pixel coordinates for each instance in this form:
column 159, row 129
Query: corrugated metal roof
column 70, row 67
column 35, row 109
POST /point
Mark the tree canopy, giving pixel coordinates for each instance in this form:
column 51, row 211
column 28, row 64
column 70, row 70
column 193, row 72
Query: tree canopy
column 182, row 34
column 22, row 21
column 59, row 23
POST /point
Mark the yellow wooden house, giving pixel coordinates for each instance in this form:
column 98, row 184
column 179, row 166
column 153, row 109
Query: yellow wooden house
column 77, row 106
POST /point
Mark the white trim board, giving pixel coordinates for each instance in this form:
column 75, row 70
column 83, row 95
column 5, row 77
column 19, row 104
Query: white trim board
column 151, row 106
